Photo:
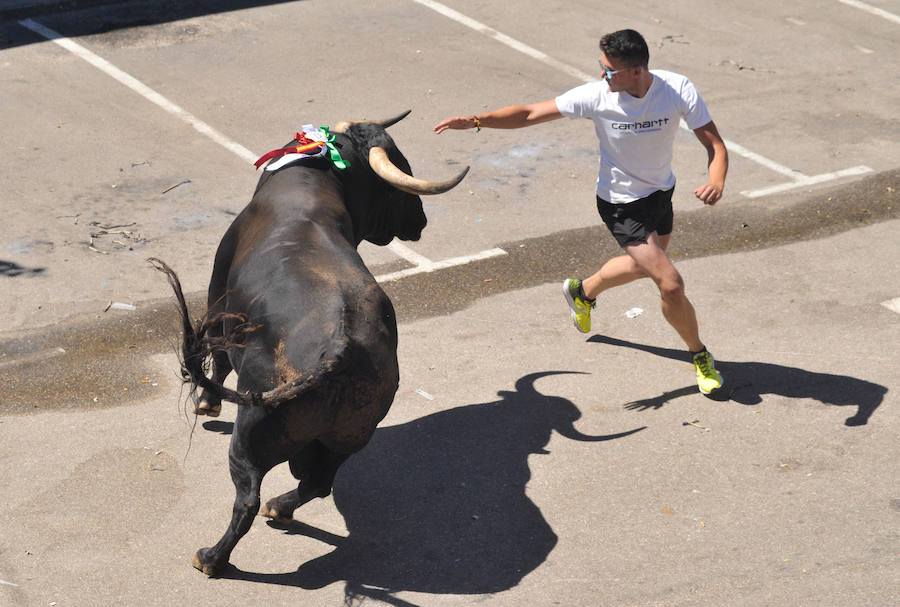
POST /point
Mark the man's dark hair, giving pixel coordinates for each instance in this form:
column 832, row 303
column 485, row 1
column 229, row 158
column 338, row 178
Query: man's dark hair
column 627, row 45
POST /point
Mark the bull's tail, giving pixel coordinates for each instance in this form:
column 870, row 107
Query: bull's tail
column 197, row 347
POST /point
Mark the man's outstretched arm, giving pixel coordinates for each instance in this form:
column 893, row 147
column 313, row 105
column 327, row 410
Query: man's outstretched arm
column 509, row 117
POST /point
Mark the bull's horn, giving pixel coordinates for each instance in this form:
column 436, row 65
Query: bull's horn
column 343, row 125
column 387, row 170
column 392, row 121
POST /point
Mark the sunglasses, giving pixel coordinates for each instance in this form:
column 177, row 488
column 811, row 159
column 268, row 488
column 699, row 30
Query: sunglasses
column 609, row 73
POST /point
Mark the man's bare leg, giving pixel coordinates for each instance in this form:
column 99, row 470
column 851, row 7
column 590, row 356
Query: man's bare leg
column 615, row 272
column 649, row 259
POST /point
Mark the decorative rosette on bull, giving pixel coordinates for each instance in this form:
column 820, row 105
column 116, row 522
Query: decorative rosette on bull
column 309, row 142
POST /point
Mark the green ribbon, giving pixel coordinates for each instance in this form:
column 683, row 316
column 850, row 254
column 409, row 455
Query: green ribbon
column 336, row 159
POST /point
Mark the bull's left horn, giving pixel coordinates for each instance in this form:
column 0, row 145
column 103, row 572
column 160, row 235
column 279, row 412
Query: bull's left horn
column 387, row 170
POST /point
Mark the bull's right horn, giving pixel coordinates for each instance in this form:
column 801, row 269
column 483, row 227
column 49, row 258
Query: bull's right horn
column 387, row 170
column 343, row 125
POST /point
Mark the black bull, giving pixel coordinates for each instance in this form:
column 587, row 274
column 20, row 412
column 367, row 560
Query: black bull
column 294, row 311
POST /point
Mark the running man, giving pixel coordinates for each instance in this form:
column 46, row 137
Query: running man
column 636, row 113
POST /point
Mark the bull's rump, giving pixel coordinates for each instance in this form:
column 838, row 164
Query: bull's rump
column 308, row 299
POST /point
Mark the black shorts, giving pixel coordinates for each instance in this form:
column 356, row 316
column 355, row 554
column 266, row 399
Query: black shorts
column 633, row 222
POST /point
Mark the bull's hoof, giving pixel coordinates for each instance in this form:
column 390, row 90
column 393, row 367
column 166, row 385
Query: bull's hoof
column 205, row 564
column 204, row 408
column 271, row 511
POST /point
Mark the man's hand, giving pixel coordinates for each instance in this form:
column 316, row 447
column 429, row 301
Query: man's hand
column 458, row 123
column 710, row 194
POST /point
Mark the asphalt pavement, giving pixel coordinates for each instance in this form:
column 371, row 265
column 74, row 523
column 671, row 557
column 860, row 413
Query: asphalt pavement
column 475, row 489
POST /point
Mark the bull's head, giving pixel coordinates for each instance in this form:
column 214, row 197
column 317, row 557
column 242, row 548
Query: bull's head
column 390, row 206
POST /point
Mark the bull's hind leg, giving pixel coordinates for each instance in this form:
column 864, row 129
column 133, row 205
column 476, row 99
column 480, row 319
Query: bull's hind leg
column 208, row 403
column 315, row 466
column 247, row 479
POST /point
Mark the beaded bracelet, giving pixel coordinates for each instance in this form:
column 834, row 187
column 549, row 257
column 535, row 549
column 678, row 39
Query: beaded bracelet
column 477, row 123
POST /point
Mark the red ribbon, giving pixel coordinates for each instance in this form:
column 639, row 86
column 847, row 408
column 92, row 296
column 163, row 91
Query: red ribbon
column 305, row 145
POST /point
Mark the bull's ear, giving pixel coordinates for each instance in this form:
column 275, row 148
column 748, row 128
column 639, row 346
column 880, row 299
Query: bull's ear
column 343, row 125
column 388, row 171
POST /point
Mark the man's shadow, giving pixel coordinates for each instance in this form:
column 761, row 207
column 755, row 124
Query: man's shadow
column 747, row 382
column 439, row 504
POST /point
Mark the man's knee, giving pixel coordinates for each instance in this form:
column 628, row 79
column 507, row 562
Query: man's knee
column 671, row 288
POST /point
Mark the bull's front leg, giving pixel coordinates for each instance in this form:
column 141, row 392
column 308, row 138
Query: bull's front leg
column 247, row 480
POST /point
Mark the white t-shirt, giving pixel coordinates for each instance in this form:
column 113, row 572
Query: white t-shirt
column 637, row 136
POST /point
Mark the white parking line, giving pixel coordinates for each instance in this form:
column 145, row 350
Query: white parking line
column 892, row 304
column 503, row 38
column 872, row 9
column 140, row 88
column 421, row 263
column 430, row 266
column 799, row 180
column 401, row 250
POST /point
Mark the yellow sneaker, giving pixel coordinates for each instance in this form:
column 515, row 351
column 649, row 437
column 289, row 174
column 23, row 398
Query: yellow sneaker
column 579, row 306
column 708, row 379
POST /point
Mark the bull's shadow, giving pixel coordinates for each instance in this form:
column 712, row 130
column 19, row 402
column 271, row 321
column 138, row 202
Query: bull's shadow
column 438, row 504
column 222, row 427
column 747, row 382
column 12, row 269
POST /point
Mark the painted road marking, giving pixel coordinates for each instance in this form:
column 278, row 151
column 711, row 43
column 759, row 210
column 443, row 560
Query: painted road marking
column 504, row 39
column 401, row 250
column 892, row 304
column 880, row 12
column 799, row 180
column 423, row 264
column 420, row 262
column 140, row 88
